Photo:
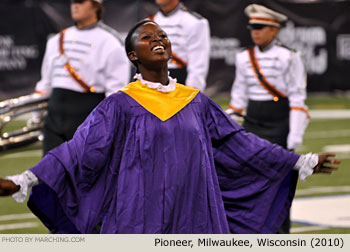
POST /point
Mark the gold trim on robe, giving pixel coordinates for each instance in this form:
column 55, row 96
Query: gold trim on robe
column 162, row 105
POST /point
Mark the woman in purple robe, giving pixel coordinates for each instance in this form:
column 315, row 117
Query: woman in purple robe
column 160, row 157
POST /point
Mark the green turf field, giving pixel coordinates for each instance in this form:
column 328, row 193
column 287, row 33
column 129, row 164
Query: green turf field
column 16, row 218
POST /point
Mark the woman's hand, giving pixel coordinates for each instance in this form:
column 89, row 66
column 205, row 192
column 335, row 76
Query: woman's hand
column 7, row 187
column 326, row 163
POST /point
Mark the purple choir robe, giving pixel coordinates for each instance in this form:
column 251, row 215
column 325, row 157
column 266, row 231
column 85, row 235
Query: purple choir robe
column 197, row 172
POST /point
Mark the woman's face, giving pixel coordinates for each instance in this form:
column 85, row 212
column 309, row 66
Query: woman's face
column 151, row 45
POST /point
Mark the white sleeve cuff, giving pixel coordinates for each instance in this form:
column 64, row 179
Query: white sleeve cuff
column 306, row 164
column 25, row 180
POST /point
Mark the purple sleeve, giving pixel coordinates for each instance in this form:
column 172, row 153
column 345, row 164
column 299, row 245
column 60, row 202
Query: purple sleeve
column 254, row 175
column 76, row 174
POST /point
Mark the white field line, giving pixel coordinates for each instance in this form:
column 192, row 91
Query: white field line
column 19, row 225
column 343, row 156
column 344, row 148
column 17, row 217
column 328, row 189
column 307, row 229
column 327, row 134
column 330, row 114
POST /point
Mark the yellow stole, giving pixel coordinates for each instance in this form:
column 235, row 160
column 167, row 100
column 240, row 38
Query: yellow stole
column 162, row 105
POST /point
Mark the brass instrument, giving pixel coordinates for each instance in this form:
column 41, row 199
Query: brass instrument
column 34, row 106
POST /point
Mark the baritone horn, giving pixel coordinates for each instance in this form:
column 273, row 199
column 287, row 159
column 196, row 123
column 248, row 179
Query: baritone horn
column 31, row 108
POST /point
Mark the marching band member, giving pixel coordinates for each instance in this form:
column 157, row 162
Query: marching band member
column 82, row 65
column 270, row 84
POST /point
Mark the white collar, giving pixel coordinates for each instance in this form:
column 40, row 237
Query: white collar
column 156, row 85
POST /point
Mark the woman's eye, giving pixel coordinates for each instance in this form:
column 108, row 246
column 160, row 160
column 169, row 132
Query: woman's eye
column 145, row 37
column 163, row 36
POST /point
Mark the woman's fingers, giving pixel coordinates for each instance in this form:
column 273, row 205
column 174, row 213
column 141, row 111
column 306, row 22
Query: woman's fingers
column 327, row 169
column 327, row 163
column 329, row 159
column 333, row 161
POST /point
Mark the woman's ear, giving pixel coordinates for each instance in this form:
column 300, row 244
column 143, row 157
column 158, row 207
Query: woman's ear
column 132, row 56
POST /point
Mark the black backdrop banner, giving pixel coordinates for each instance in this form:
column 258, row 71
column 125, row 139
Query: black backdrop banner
column 319, row 29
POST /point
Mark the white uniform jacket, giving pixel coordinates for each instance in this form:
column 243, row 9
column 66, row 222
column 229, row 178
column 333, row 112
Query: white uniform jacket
column 97, row 56
column 283, row 68
column 189, row 35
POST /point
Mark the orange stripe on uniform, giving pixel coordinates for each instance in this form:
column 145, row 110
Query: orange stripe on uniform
column 71, row 70
column 265, row 19
column 39, row 92
column 177, row 61
column 302, row 109
column 256, row 69
column 240, row 111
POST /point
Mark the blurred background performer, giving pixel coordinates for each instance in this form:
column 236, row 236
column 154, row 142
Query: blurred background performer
column 82, row 64
column 189, row 34
column 270, row 84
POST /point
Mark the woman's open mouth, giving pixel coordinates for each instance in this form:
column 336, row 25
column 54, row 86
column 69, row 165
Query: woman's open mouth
column 158, row 49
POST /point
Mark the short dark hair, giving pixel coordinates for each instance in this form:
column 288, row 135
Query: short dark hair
column 128, row 40
column 99, row 11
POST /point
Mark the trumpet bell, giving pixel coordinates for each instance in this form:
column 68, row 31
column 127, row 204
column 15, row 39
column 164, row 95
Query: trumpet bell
column 28, row 109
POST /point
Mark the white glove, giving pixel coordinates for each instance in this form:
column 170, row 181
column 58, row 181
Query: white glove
column 305, row 165
column 25, row 180
column 294, row 141
column 234, row 115
column 298, row 122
